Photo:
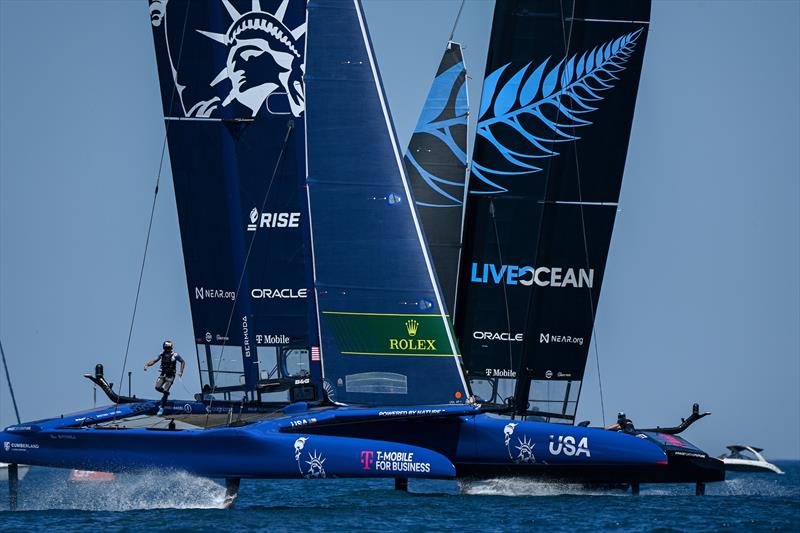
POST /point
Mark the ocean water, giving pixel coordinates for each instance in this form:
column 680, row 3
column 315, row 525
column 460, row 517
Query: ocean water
column 176, row 501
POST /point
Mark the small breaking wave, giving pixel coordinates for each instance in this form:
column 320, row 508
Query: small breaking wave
column 741, row 485
column 528, row 487
column 769, row 485
column 128, row 492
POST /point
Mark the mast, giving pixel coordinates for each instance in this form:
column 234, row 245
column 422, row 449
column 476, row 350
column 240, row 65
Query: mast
column 552, row 136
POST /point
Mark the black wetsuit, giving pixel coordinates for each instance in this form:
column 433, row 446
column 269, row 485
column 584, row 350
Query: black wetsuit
column 169, row 364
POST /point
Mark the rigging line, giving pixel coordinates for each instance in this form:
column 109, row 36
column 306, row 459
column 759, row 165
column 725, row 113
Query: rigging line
column 505, row 287
column 8, row 379
column 455, row 23
column 586, row 255
column 180, row 378
column 138, row 288
column 464, row 199
column 289, row 128
column 152, row 213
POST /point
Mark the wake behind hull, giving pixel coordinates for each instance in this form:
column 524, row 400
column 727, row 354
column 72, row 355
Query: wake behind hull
column 423, row 442
column 677, row 470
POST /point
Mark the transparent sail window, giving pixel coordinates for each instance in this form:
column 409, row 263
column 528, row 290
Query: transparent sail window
column 297, row 362
column 221, row 367
column 554, row 401
column 268, row 367
column 377, row 383
column 493, row 390
column 202, row 365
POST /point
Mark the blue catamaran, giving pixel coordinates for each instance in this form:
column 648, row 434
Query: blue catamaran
column 323, row 334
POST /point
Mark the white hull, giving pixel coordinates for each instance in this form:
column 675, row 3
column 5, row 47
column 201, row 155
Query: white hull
column 747, row 465
column 21, row 472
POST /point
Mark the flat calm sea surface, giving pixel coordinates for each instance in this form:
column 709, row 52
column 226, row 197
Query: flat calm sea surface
column 175, row 501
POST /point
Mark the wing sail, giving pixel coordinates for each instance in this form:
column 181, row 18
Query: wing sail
column 386, row 336
column 231, row 83
column 552, row 137
column 436, row 164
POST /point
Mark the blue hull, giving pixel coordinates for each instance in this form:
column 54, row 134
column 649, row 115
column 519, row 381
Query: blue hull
column 297, row 442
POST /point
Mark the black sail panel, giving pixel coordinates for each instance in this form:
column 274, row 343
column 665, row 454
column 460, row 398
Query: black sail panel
column 552, row 137
column 436, row 164
column 231, row 83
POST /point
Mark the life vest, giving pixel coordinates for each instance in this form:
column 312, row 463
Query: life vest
column 169, row 362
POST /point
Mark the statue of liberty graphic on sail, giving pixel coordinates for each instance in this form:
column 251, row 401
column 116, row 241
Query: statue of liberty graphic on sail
column 254, row 65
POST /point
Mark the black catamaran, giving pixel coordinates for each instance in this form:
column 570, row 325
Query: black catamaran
column 322, row 328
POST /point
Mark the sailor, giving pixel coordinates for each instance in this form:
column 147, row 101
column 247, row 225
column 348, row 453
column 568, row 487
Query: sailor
column 169, row 361
column 623, row 424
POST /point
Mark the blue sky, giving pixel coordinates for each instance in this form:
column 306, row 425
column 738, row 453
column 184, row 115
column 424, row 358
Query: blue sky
column 701, row 300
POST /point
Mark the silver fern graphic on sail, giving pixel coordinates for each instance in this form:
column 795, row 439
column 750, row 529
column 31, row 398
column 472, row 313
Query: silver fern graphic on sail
column 550, row 99
column 446, row 109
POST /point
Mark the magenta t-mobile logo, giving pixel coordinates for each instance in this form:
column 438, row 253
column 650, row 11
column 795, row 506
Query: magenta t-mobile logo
column 367, row 459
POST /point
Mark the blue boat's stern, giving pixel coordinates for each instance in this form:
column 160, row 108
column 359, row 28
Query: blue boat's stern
column 506, row 447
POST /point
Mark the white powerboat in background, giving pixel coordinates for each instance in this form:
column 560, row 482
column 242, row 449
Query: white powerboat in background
column 747, row 459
